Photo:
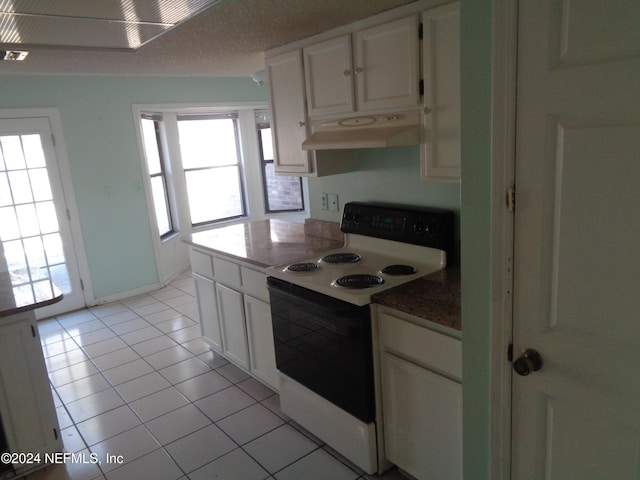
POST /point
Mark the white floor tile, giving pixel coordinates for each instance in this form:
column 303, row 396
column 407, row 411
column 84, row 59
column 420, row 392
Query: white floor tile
column 129, row 326
column 196, row 346
column 107, row 425
column 138, row 336
column 56, row 348
column 279, row 448
column 186, row 334
column 167, row 357
column 199, row 448
column 82, row 388
column 162, row 315
column 107, row 309
column 318, row 465
column 65, row 360
column 174, row 324
column 213, row 359
column 117, row 318
column 224, row 403
column 236, row 465
column 182, row 299
column 179, row 372
column 139, row 301
column 232, row 373
column 256, row 389
column 72, row 440
column 166, row 293
column 104, row 347
column 81, row 468
column 158, row 403
column 203, row 385
column 128, row 371
column 273, row 404
column 131, row 445
column 177, row 424
column 250, row 423
column 154, row 345
column 94, row 336
column 156, row 465
column 75, row 318
column 150, row 308
column 93, row 405
column 72, row 373
column 85, row 327
column 64, row 420
column 142, row 386
column 190, row 310
column 113, row 359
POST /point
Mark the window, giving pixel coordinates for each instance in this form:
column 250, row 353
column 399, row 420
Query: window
column 281, row 194
column 157, row 172
column 209, row 148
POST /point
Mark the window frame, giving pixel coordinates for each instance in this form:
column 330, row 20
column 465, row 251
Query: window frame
column 157, row 119
column 263, row 175
column 232, row 115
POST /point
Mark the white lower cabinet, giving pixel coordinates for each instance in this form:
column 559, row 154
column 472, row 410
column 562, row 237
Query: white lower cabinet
column 235, row 315
column 421, row 397
column 208, row 309
column 260, row 335
column 234, row 331
column 26, row 404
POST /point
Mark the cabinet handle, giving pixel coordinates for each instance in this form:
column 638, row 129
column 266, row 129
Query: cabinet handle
column 358, row 70
column 301, row 124
column 346, row 73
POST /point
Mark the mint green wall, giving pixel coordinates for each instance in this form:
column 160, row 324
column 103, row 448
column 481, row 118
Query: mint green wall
column 98, row 125
column 476, row 28
column 389, row 175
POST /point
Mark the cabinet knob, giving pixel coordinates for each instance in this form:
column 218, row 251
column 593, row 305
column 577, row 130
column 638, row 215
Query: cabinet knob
column 346, row 73
column 358, row 70
column 528, row 361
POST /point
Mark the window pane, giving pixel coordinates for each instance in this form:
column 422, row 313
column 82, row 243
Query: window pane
column 12, row 151
column 214, row 194
column 20, row 186
column 151, row 148
column 33, row 151
column 161, row 204
column 267, row 143
column 47, row 217
column 9, row 229
column 5, row 191
column 207, row 143
column 40, row 184
column 283, row 193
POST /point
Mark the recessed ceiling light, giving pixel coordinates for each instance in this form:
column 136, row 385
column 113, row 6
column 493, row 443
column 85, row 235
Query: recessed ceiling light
column 13, row 55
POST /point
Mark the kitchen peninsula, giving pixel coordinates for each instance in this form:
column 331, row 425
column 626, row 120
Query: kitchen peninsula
column 27, row 412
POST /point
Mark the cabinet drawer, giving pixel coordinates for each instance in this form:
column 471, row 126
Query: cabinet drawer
column 201, row 263
column 227, row 273
column 427, row 347
column 255, row 284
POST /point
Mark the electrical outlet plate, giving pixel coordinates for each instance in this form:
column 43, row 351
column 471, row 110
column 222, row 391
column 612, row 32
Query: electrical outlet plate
column 324, row 200
column 333, row 202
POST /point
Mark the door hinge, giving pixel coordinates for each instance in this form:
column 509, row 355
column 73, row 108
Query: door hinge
column 68, row 215
column 420, row 31
column 55, row 433
column 53, row 139
column 81, row 285
column 511, row 199
column 421, row 87
column 510, row 352
column 33, row 331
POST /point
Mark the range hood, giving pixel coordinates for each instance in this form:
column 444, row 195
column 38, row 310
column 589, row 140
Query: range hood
column 365, row 131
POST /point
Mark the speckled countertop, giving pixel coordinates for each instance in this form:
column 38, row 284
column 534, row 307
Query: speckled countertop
column 435, row 297
column 266, row 242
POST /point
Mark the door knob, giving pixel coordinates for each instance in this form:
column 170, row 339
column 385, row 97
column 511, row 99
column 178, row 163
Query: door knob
column 528, row 361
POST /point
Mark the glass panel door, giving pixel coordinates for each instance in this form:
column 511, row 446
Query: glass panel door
column 35, row 235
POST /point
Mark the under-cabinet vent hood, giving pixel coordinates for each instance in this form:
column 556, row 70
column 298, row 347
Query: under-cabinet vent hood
column 365, row 131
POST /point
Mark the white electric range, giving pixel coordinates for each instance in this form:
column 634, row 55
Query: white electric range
column 322, row 319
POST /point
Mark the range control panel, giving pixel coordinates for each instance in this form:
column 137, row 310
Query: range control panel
column 417, row 225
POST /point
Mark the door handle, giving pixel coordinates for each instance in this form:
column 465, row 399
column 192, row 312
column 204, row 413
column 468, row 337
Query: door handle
column 528, row 361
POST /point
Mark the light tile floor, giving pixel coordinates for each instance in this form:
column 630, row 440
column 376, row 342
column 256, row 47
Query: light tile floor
column 132, row 380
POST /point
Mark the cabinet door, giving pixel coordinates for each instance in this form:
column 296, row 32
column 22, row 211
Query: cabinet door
column 234, row 332
column 26, row 404
column 260, row 333
column 288, row 117
column 329, row 77
column 441, row 60
column 386, row 67
column 208, row 309
column 422, row 420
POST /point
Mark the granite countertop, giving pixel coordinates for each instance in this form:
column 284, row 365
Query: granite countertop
column 21, row 293
column 265, row 242
column 435, row 297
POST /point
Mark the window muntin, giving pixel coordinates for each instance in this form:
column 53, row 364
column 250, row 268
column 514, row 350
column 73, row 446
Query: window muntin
column 209, row 148
column 281, row 193
column 151, row 137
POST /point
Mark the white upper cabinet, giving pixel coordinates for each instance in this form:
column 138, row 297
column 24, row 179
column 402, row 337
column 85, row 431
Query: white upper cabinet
column 288, row 113
column 384, row 75
column 441, row 61
column 387, row 66
column 329, row 77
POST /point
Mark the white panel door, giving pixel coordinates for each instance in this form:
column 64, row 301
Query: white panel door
column 577, row 240
column 35, row 230
column 234, row 331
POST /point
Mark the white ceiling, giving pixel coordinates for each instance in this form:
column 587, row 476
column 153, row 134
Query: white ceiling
column 226, row 40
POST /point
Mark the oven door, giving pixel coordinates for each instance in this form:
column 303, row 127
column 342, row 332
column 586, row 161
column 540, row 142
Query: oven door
column 325, row 345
